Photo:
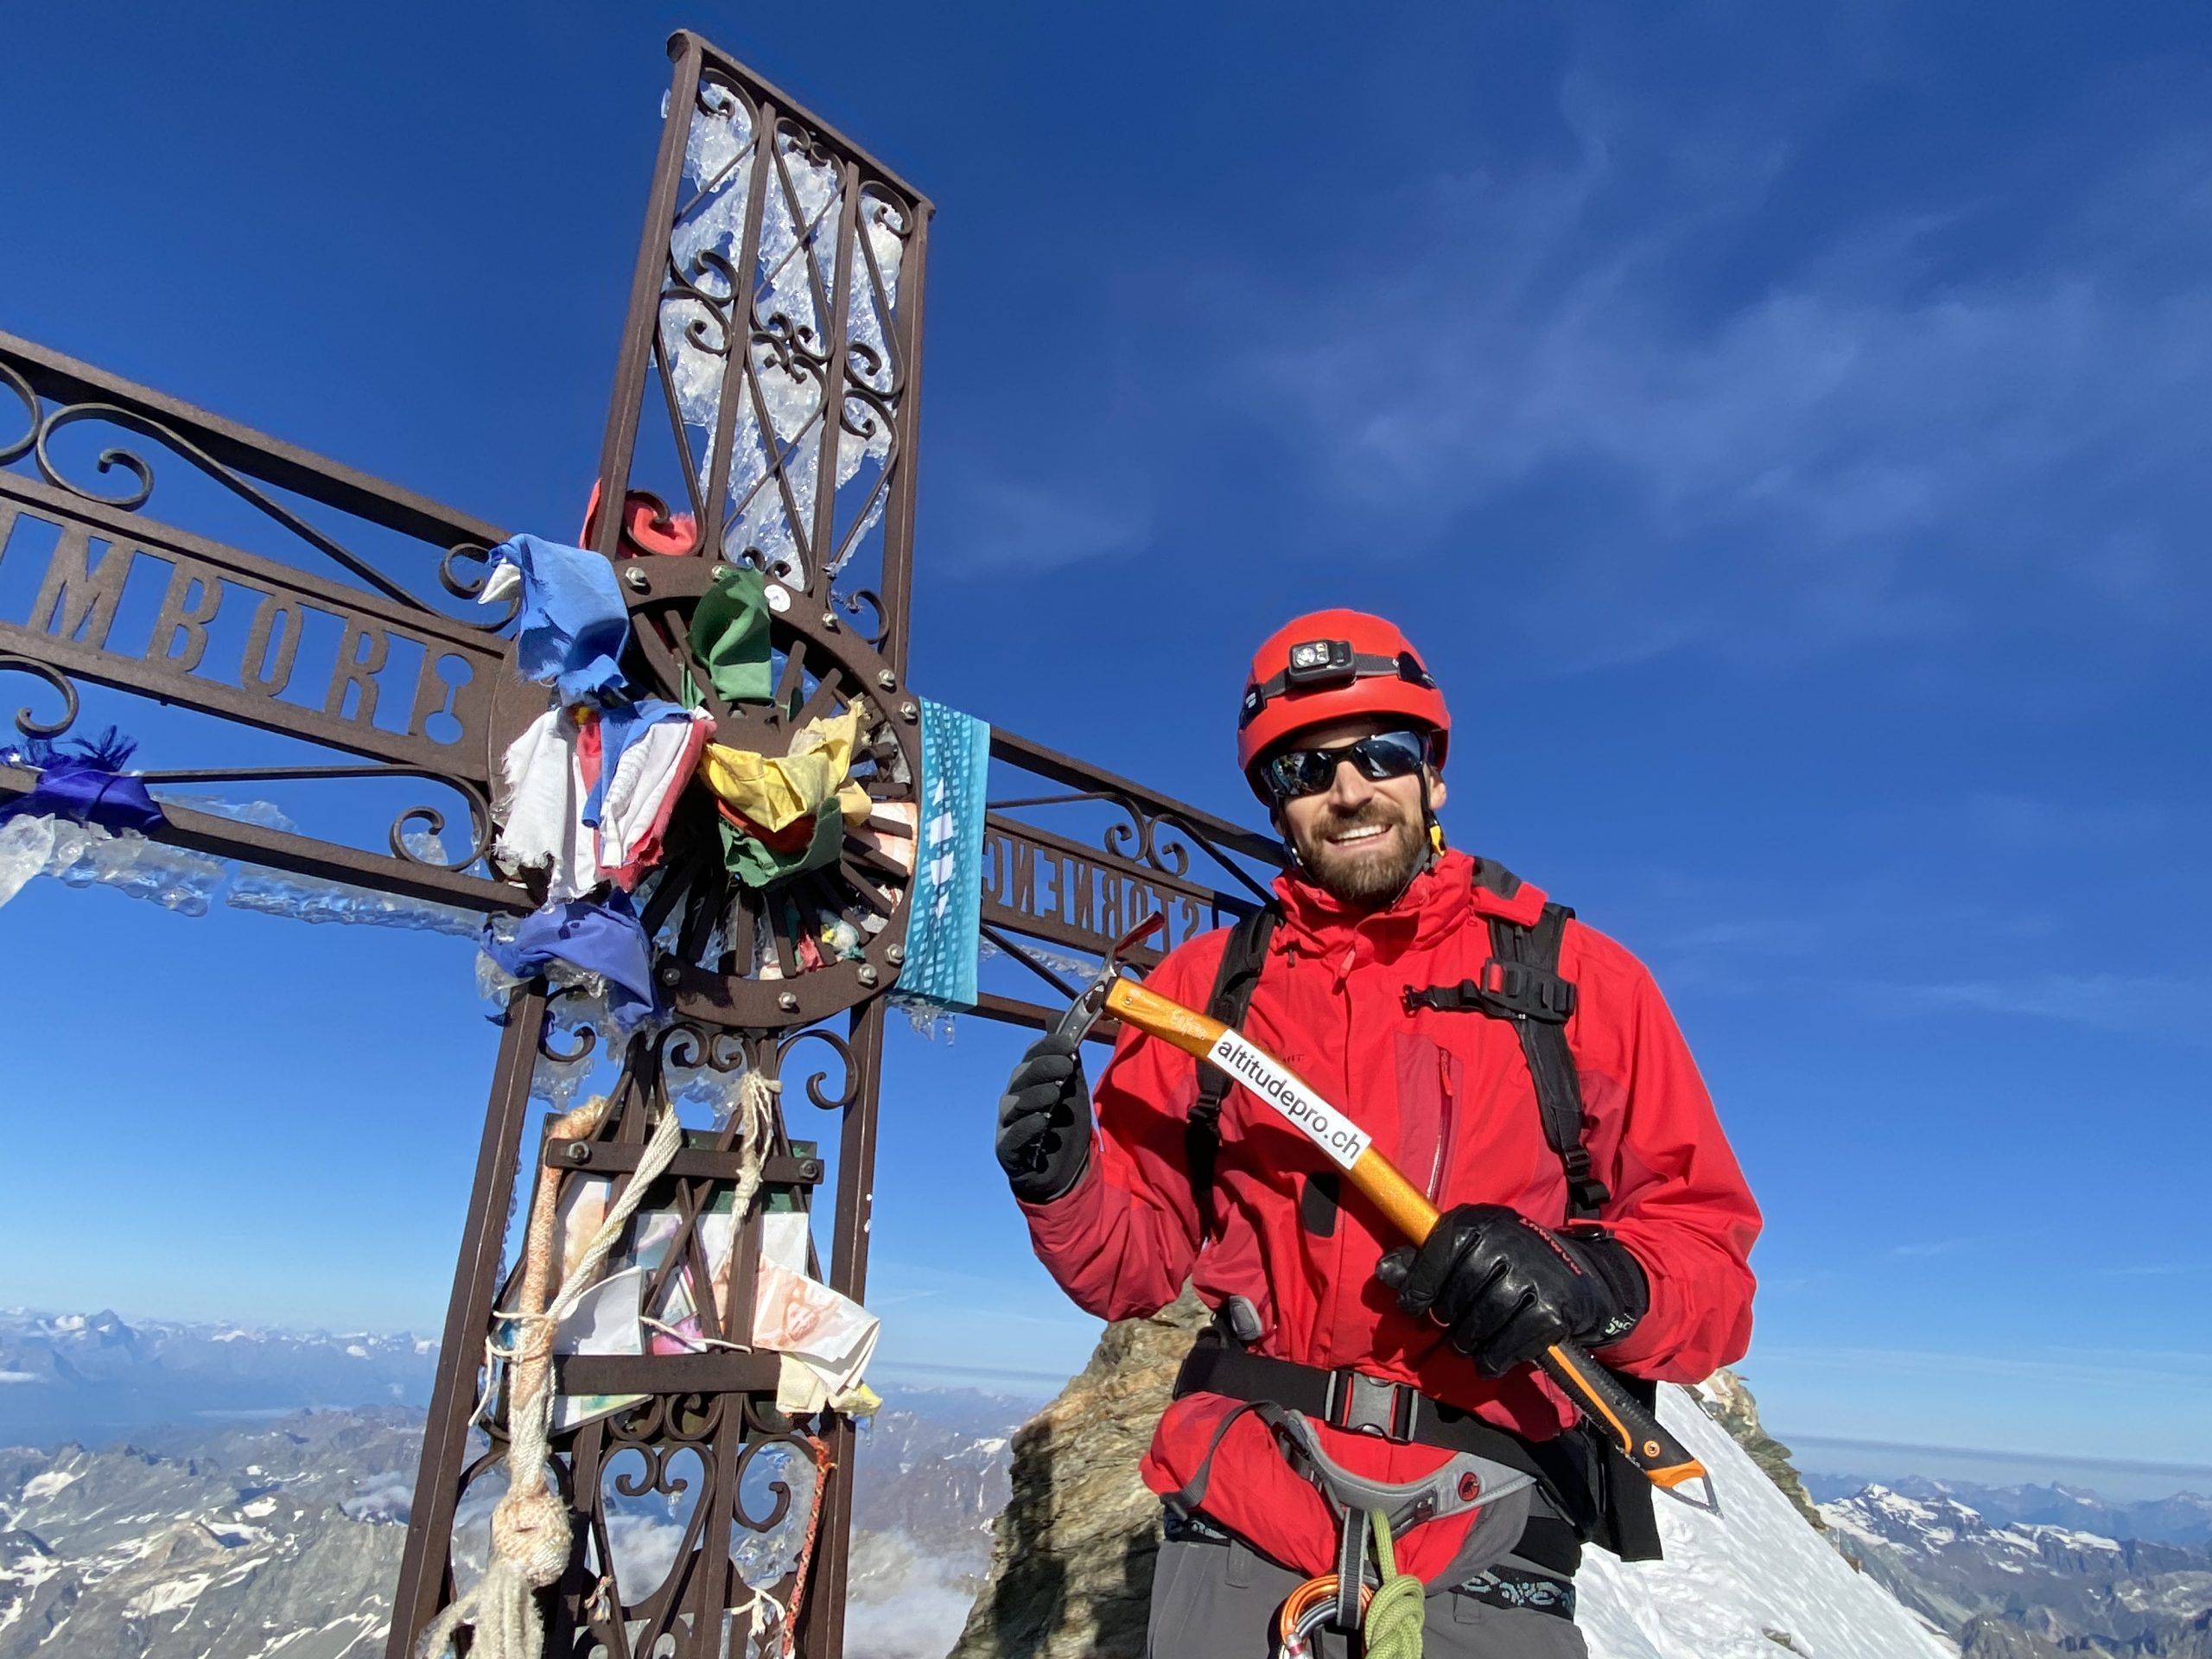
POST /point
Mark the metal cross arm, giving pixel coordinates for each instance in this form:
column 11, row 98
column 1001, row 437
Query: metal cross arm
column 332, row 626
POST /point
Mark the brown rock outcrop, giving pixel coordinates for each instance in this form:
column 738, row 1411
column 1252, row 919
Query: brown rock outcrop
column 1072, row 1556
column 1729, row 1402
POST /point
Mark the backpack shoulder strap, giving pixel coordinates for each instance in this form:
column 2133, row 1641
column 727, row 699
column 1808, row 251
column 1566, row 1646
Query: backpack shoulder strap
column 1242, row 960
column 1543, row 1041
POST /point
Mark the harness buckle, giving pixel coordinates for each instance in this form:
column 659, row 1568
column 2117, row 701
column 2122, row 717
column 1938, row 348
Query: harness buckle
column 1372, row 1404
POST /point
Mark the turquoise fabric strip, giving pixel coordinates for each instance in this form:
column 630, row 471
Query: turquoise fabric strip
column 945, row 914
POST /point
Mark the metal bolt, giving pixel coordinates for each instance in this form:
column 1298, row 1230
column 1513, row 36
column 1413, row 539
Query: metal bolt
column 669, row 973
column 830, row 621
column 579, row 1152
column 809, row 1170
column 908, row 712
column 636, row 580
column 896, row 955
column 886, row 679
column 788, row 1001
column 868, row 975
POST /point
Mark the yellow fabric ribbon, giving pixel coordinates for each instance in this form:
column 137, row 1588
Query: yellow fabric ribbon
column 776, row 794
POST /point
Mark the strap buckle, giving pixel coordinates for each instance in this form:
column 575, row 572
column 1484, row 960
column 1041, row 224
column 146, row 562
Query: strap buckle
column 1372, row 1405
column 1502, row 990
column 1526, row 991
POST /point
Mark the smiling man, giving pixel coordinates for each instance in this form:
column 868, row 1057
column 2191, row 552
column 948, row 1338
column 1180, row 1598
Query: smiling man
column 1520, row 1066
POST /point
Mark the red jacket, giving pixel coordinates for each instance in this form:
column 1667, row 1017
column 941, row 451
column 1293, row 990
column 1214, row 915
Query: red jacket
column 1448, row 1097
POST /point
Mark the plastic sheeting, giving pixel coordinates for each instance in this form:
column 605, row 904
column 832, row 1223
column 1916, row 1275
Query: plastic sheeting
column 719, row 160
column 83, row 856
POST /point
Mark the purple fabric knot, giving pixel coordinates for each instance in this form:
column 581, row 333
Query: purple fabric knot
column 82, row 779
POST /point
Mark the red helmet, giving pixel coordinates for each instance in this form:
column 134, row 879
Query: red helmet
column 1332, row 665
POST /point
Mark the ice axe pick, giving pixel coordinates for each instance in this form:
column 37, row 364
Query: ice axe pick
column 1635, row 1431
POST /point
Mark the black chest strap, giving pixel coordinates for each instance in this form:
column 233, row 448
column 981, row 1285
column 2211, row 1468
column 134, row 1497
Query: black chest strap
column 1241, row 960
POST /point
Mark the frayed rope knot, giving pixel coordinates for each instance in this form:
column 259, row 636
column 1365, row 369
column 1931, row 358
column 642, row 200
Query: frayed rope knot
column 533, row 1534
column 531, row 1530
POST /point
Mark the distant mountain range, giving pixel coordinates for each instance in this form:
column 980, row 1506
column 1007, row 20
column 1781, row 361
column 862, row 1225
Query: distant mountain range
column 92, row 1378
column 2184, row 1518
column 2021, row 1589
column 220, row 1519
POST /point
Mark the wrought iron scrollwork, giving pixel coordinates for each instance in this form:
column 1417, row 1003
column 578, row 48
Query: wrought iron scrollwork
column 470, row 586
column 587, row 1035
column 132, row 420
column 880, row 632
column 26, row 722
column 837, row 1045
column 433, row 823
column 16, row 448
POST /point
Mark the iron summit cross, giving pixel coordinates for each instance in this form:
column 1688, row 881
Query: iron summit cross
column 760, row 441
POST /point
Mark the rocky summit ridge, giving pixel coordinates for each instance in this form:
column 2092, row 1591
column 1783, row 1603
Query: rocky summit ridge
column 1072, row 1553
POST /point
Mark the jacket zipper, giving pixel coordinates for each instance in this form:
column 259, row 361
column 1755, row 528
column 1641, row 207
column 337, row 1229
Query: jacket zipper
column 1443, row 1124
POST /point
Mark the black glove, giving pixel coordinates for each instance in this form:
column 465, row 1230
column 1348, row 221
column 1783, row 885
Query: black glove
column 1045, row 1121
column 1506, row 1289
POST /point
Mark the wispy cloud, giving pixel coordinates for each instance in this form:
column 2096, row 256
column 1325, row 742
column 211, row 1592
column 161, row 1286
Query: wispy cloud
column 2151, row 1004
column 1850, row 454
column 1007, row 525
column 1920, row 1249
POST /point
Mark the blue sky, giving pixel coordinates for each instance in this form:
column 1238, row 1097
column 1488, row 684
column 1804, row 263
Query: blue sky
column 1784, row 433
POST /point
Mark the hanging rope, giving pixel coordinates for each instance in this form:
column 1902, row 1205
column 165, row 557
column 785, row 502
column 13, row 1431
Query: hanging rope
column 823, row 1462
column 532, row 1534
column 1393, row 1618
column 756, row 1127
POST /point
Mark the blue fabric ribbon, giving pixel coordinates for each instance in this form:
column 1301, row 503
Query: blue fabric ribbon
column 944, row 916
column 604, row 937
column 618, row 729
column 573, row 624
column 89, row 785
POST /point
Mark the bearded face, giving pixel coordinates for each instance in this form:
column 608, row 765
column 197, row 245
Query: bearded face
column 1361, row 840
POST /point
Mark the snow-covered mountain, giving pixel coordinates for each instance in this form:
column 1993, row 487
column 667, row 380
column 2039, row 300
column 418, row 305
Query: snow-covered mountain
column 1755, row 1582
column 1955, row 1565
column 261, row 1540
column 2182, row 1518
column 216, row 1538
column 93, row 1377
column 237, row 1541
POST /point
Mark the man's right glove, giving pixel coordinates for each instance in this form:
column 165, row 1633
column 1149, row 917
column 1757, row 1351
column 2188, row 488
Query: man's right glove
column 1045, row 1121
column 1505, row 1289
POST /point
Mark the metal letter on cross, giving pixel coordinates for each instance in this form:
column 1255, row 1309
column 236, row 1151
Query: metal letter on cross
column 764, row 415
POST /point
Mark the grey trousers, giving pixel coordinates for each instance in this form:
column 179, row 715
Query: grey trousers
column 1219, row 1601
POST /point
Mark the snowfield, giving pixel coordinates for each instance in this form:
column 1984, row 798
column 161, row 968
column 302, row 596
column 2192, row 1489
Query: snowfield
column 1755, row 1582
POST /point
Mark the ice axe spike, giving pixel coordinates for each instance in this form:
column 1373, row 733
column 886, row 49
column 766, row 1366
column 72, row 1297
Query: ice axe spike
column 1083, row 1013
column 1635, row 1432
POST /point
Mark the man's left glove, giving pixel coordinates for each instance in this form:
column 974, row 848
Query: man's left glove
column 1044, row 1138
column 1506, row 1289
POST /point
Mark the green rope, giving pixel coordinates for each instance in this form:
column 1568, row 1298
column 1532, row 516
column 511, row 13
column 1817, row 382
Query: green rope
column 1394, row 1617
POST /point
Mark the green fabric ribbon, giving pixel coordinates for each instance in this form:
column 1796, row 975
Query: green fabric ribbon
column 757, row 865
column 730, row 635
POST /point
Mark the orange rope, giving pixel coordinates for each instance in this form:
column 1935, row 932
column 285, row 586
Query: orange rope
column 823, row 1463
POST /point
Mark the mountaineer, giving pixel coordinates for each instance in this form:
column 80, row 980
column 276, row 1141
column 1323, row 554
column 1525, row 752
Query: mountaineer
column 1522, row 1068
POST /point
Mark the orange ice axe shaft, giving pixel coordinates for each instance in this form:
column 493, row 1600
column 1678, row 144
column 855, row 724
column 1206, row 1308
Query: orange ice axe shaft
column 1638, row 1434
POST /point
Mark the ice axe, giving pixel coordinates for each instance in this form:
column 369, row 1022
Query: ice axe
column 1639, row 1435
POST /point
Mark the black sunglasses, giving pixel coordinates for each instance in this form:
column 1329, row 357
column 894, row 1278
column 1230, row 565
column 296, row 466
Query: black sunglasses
column 1293, row 772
